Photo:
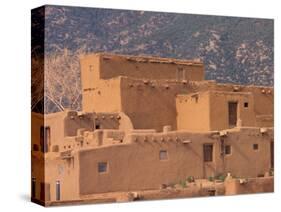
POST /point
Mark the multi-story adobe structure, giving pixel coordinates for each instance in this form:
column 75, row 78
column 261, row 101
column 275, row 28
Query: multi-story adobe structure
column 147, row 122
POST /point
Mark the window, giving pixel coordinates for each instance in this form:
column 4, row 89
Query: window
column 42, row 138
column 57, row 190
column 255, row 146
column 232, row 114
column 45, row 138
column 35, row 147
column 163, row 155
column 272, row 154
column 227, row 150
column 33, row 187
column 97, row 126
column 102, row 167
column 246, row 104
column 208, row 152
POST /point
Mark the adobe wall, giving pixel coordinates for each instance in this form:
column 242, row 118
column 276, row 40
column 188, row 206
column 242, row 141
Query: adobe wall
column 263, row 101
column 37, row 172
column 136, row 166
column 66, row 172
column 65, row 126
column 253, row 186
column 219, row 115
column 151, row 104
column 149, row 68
column 104, row 96
column 110, row 85
column 37, row 120
column 244, row 161
column 105, row 66
column 208, row 110
column 56, row 123
column 37, row 157
column 193, row 112
column 90, row 71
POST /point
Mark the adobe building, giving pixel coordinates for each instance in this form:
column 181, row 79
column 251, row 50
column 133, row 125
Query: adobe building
column 148, row 123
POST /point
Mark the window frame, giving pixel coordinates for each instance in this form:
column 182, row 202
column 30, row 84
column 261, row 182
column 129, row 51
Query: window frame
column 100, row 171
column 225, row 150
column 45, row 138
column 33, row 187
column 256, row 147
column 58, row 190
column 205, row 158
column 164, row 157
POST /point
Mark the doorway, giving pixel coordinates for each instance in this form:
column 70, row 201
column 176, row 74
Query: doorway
column 272, row 154
column 57, row 190
column 232, row 114
column 208, row 159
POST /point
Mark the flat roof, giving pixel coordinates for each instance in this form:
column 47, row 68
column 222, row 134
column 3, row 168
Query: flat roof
column 148, row 59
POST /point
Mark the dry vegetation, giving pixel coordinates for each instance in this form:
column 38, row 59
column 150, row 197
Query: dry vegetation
column 62, row 86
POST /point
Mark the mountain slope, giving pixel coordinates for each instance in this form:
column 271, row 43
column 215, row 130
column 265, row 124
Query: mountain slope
column 234, row 50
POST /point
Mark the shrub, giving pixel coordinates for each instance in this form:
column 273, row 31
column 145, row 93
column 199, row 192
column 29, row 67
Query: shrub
column 190, row 179
column 220, row 177
column 211, row 179
column 183, row 184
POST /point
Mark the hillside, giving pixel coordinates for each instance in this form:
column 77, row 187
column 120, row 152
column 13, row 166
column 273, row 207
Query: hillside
column 234, row 50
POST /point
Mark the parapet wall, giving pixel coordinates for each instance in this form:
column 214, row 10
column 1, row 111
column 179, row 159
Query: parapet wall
column 252, row 185
column 136, row 164
column 100, row 66
column 151, row 104
column 149, row 68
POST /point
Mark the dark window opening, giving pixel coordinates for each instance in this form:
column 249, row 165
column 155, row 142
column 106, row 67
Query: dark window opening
column 232, row 114
column 97, row 126
column 227, row 150
column 102, row 167
column 208, row 152
column 246, row 104
column 272, row 154
column 163, row 155
column 57, row 190
column 45, row 134
column 33, row 187
column 35, row 147
column 42, row 138
column 255, row 146
column 222, row 146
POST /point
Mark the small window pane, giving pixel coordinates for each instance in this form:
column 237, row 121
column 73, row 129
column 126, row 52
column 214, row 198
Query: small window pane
column 102, row 167
column 255, row 146
column 163, row 155
column 33, row 187
column 227, row 150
